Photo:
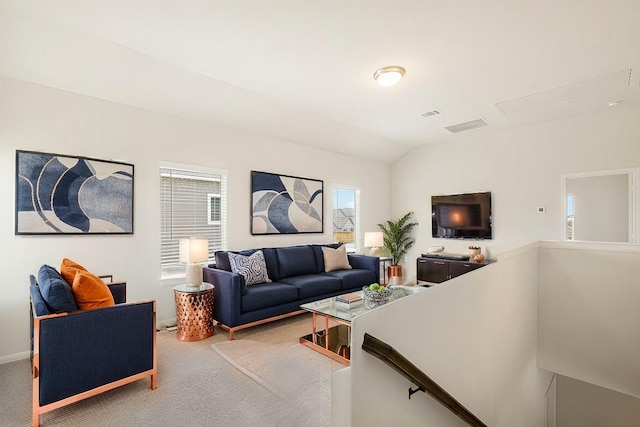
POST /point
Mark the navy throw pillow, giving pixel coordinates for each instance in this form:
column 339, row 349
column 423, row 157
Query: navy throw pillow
column 55, row 291
column 222, row 260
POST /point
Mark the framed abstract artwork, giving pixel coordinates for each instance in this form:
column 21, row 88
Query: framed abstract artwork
column 283, row 204
column 60, row 194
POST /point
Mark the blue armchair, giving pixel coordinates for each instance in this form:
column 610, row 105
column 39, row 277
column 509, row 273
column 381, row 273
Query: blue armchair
column 82, row 353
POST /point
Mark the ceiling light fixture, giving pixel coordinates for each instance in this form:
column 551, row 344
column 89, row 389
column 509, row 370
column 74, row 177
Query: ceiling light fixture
column 388, row 76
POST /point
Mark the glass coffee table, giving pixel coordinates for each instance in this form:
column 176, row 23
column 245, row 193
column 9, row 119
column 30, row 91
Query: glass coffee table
column 335, row 341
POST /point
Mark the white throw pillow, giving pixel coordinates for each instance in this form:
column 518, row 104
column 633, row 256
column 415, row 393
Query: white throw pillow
column 253, row 268
column 335, row 259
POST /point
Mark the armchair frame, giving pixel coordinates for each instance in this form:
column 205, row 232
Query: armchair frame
column 84, row 353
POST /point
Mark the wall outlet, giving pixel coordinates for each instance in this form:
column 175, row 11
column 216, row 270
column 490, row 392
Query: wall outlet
column 542, row 210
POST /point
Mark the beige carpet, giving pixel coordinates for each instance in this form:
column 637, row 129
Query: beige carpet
column 298, row 376
column 263, row 378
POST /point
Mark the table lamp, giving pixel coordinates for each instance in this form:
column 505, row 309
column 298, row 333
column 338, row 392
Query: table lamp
column 193, row 251
column 374, row 240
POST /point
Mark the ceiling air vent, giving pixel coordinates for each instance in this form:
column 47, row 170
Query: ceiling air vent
column 430, row 113
column 473, row 124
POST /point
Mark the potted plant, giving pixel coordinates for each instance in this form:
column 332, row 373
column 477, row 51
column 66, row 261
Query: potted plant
column 397, row 241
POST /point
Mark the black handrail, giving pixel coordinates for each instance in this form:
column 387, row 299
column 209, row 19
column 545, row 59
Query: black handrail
column 401, row 364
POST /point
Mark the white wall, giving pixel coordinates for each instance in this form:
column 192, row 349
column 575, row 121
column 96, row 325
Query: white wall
column 552, row 409
column 589, row 315
column 38, row 118
column 475, row 335
column 492, row 337
column 522, row 167
column 586, row 405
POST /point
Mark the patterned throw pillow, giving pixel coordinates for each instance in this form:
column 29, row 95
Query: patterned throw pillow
column 253, row 268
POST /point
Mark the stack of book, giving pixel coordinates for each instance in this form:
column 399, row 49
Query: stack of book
column 348, row 301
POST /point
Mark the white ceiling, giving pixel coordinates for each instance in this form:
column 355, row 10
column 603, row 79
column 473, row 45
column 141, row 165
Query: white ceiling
column 302, row 70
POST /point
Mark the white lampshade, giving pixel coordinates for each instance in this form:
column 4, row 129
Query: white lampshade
column 193, row 251
column 373, row 239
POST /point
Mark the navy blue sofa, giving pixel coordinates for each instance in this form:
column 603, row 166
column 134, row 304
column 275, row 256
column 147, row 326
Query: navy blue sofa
column 78, row 354
column 298, row 276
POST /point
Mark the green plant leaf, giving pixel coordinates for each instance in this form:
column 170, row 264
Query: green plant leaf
column 397, row 237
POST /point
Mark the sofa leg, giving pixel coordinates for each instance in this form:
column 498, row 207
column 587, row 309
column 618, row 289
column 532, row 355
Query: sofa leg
column 232, row 331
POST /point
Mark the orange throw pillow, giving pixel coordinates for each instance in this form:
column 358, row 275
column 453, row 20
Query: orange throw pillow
column 88, row 289
column 68, row 270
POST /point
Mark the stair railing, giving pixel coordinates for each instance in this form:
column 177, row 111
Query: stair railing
column 402, row 365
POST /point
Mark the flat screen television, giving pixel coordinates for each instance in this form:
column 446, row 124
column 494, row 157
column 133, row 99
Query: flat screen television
column 461, row 216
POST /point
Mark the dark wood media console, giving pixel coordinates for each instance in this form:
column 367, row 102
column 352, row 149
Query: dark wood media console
column 438, row 270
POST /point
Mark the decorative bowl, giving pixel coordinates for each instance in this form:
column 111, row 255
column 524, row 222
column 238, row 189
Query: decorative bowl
column 373, row 299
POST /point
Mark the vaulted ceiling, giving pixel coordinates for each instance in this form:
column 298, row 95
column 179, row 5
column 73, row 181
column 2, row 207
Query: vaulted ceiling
column 302, row 70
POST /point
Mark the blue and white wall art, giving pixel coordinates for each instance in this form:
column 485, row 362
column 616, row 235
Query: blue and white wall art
column 283, row 204
column 58, row 194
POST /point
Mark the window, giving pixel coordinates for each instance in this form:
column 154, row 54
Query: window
column 569, row 235
column 346, row 216
column 214, row 212
column 193, row 204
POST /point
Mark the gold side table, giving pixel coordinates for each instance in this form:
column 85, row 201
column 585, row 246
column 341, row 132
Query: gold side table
column 194, row 311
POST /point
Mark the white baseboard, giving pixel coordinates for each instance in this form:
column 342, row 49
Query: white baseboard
column 162, row 324
column 14, row 357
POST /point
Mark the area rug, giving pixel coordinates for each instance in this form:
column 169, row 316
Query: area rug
column 297, row 375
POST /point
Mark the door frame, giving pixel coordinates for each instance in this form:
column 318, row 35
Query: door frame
column 632, row 174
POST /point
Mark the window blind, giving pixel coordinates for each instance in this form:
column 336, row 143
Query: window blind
column 193, row 204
